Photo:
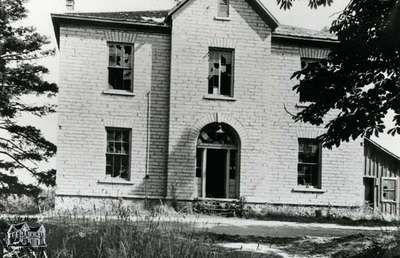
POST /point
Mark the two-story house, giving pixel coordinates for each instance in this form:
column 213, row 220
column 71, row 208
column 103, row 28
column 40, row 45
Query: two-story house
column 194, row 102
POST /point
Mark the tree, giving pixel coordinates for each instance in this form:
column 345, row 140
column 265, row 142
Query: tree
column 287, row 4
column 22, row 147
column 359, row 81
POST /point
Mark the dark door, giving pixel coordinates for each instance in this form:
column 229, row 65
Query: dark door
column 215, row 173
column 369, row 186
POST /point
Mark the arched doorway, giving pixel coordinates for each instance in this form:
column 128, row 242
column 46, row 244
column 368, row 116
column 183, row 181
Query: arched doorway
column 217, row 161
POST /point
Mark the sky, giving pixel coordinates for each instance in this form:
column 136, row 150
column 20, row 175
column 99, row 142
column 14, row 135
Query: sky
column 300, row 15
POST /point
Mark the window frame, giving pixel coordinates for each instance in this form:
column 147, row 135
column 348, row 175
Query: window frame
column 132, row 65
column 219, row 11
column 394, row 190
column 319, row 164
column 129, row 130
column 199, row 162
column 220, row 51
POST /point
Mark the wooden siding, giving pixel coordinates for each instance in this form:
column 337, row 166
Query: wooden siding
column 381, row 164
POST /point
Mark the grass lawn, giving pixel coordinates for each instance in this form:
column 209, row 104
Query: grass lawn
column 123, row 238
column 73, row 237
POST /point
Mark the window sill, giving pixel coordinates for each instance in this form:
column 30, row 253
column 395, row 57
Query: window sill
column 114, row 182
column 301, row 106
column 218, row 97
column 118, row 92
column 217, row 199
column 301, row 189
column 222, row 18
column 389, row 201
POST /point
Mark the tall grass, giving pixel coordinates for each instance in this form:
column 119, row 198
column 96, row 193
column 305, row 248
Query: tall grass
column 144, row 237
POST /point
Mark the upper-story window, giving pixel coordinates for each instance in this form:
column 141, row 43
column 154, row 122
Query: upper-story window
column 309, row 166
column 220, row 75
column 307, row 93
column 223, row 8
column 120, row 67
column 118, row 152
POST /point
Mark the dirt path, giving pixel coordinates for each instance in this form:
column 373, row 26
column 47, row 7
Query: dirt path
column 291, row 239
column 244, row 227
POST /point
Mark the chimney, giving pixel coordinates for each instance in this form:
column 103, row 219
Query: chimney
column 70, row 4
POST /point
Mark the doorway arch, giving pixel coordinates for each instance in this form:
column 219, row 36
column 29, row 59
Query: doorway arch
column 218, row 161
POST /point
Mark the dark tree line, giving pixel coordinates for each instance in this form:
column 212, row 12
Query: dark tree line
column 22, row 147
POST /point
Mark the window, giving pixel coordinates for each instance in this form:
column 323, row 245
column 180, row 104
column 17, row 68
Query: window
column 388, row 189
column 120, row 67
column 309, row 163
column 220, row 79
column 118, row 152
column 223, row 8
column 307, row 93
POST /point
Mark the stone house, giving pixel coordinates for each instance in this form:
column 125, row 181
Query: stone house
column 192, row 103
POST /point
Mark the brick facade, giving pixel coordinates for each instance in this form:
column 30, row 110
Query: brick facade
column 85, row 111
column 174, row 66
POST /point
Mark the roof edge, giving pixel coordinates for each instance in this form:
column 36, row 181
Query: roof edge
column 105, row 20
column 267, row 16
column 57, row 19
column 176, row 8
column 304, row 38
column 382, row 149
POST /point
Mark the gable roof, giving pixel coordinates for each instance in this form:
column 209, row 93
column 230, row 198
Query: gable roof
column 156, row 17
column 32, row 227
column 382, row 149
column 256, row 4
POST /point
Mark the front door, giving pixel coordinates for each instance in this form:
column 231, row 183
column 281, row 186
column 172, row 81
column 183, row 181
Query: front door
column 216, row 173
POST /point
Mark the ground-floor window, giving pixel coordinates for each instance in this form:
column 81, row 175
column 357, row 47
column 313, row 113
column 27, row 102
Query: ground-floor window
column 118, row 152
column 389, row 189
column 309, row 164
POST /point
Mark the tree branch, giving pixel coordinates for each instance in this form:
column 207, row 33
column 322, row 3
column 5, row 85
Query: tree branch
column 19, row 162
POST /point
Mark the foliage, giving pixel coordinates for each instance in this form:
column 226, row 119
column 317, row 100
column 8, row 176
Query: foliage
column 287, row 4
column 359, row 80
column 235, row 208
column 22, row 147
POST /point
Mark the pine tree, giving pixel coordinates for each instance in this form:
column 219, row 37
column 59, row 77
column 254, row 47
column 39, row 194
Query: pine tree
column 22, row 147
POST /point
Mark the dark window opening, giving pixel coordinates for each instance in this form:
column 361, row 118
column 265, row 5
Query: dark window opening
column 307, row 93
column 369, row 191
column 220, row 76
column 120, row 67
column 223, row 8
column 309, row 165
column 118, row 152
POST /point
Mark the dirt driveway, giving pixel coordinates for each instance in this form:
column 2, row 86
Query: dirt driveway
column 292, row 239
column 247, row 227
